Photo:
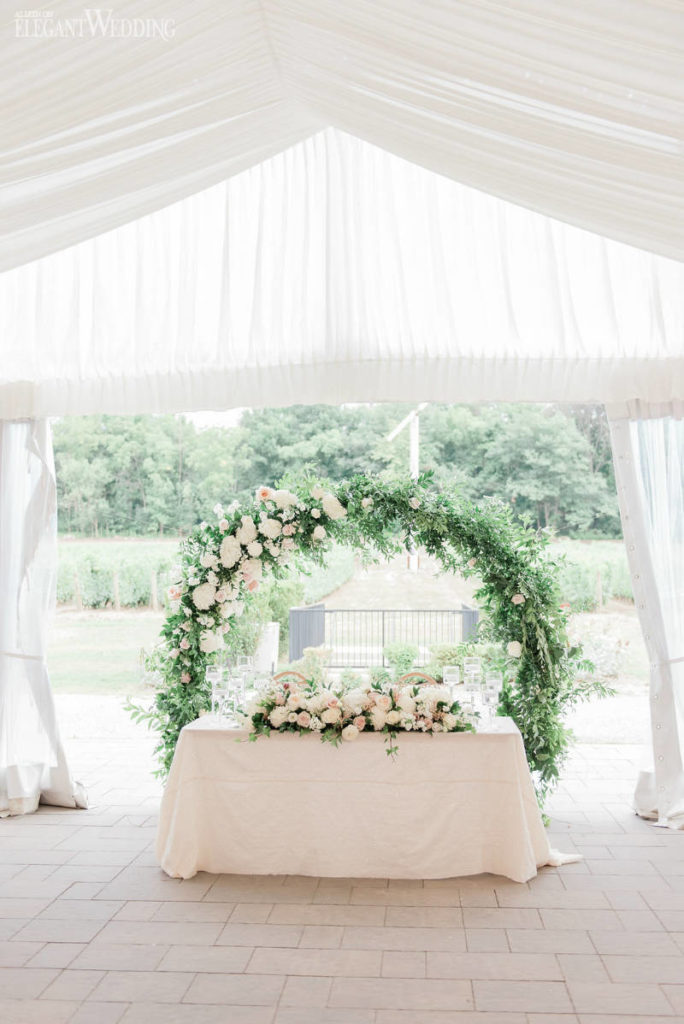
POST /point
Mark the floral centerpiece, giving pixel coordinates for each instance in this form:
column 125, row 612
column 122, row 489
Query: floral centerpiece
column 295, row 704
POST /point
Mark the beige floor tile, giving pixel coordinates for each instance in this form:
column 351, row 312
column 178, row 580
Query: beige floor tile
column 193, row 912
column 35, row 1011
column 582, row 967
column 25, row 982
column 402, row 994
column 582, row 920
column 589, row 997
column 634, row 943
column 312, row 1015
column 16, row 954
column 105, row 956
column 260, row 935
column 247, row 913
column 22, row 908
column 142, row 987
column 48, row 930
column 73, row 985
column 57, row 954
column 327, row 914
column 523, row 996
column 161, row 1013
column 611, row 1018
column 306, row 991
column 499, row 966
column 405, row 897
column 99, row 1013
column 448, row 1017
column 639, row 969
column 349, row 963
column 207, row 959
column 237, row 989
column 321, row 936
column 501, row 918
column 488, row 940
column 166, row 933
column 445, row 939
column 138, row 910
column 675, row 995
column 422, row 917
column 80, row 910
column 399, row 964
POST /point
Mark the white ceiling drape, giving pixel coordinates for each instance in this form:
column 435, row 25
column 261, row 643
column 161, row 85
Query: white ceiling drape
column 336, row 272
column 574, row 109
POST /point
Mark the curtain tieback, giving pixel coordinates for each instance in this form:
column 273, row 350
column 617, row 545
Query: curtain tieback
column 24, row 657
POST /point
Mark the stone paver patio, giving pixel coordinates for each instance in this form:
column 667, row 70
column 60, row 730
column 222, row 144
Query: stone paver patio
column 91, row 931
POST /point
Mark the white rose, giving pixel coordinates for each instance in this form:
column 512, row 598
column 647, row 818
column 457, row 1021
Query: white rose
column 288, row 544
column 254, row 548
column 317, row 492
column 293, row 702
column 230, row 551
column 270, row 528
column 414, row 503
column 247, row 532
column 212, row 578
column 449, row 721
column 333, row 507
column 407, row 724
column 514, row 649
column 292, row 717
column 393, row 717
column 204, row 596
column 206, row 560
column 218, row 510
column 316, row 513
column 284, row 499
column 319, row 533
column 331, row 715
column 518, row 599
column 378, row 719
column 350, row 732
column 366, row 502
column 210, row 642
column 277, row 717
column 436, row 727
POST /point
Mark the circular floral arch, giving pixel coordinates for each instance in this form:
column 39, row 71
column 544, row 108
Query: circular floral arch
column 223, row 561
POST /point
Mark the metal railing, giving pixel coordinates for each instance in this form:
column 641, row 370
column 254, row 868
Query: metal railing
column 358, row 636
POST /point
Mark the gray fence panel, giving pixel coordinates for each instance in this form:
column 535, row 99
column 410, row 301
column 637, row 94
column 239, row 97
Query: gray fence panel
column 307, row 629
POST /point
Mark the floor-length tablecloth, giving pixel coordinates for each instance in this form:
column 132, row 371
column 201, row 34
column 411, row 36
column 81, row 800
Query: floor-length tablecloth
column 446, row 805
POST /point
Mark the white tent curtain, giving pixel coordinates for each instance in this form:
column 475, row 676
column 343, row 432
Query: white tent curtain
column 33, row 767
column 570, row 109
column 336, row 272
column 648, row 452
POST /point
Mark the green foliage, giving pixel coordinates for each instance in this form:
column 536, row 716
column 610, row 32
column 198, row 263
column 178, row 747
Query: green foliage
column 401, row 657
column 493, row 657
column 156, row 474
column 518, row 593
column 90, row 567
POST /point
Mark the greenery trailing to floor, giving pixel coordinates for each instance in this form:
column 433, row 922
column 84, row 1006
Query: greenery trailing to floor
column 227, row 559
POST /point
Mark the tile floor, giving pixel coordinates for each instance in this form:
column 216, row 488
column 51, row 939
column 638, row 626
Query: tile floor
column 91, row 932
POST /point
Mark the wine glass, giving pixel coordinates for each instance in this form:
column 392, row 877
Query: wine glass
column 451, row 676
column 214, row 677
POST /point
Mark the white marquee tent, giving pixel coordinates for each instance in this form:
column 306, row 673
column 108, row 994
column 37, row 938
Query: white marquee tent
column 309, row 200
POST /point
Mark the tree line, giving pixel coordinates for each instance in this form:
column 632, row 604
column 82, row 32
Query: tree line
column 160, row 475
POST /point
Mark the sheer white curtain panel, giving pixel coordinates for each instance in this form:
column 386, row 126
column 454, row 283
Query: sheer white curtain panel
column 648, row 452
column 33, row 766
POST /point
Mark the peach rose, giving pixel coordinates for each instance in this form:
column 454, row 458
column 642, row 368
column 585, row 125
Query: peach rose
column 360, row 723
column 383, row 701
column 304, row 719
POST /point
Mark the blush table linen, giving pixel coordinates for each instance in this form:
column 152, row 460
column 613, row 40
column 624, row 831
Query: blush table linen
column 447, row 805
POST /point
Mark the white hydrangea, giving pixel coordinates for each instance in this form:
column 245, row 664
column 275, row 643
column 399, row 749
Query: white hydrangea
column 284, row 499
column 207, row 560
column 315, row 724
column 333, row 507
column 449, row 721
column 319, row 533
column 254, row 548
column 247, row 532
column 270, row 528
column 514, row 649
column 278, row 716
column 210, row 641
column 230, row 551
column 204, row 596
column 406, row 702
column 378, row 719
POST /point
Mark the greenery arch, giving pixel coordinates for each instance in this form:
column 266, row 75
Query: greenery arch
column 225, row 560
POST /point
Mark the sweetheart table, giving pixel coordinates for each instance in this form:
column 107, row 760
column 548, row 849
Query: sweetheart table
column 447, row 805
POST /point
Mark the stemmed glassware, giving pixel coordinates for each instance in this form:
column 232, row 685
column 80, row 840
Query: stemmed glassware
column 451, row 677
column 472, row 678
column 492, row 693
column 227, row 692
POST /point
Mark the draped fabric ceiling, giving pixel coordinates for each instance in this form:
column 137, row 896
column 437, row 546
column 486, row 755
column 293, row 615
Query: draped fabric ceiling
column 276, row 205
